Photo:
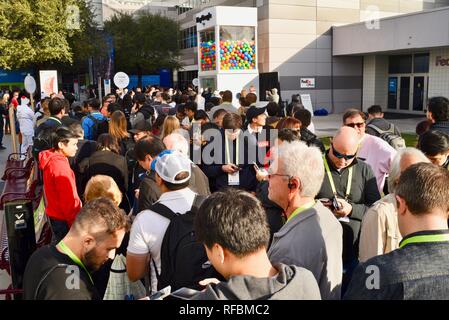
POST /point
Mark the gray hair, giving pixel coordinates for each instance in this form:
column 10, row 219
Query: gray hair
column 395, row 167
column 179, row 142
column 305, row 163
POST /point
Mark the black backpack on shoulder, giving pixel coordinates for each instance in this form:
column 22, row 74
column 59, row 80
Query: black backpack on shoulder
column 95, row 126
column 184, row 260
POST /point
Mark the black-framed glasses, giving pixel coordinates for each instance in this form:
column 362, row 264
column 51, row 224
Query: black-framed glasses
column 356, row 124
column 341, row 155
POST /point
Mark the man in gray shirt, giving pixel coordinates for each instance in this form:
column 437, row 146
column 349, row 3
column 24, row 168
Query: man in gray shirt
column 312, row 237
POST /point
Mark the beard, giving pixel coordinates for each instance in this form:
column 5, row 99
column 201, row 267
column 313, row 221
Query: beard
column 92, row 261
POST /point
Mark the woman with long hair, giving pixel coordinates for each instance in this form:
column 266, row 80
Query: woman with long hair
column 108, row 161
column 171, row 124
column 118, row 128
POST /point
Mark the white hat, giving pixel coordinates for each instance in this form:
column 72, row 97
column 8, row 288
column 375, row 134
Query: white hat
column 168, row 164
column 25, row 101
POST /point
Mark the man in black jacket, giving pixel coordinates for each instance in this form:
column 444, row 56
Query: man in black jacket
column 349, row 189
column 146, row 150
column 419, row 268
column 63, row 272
column 228, row 158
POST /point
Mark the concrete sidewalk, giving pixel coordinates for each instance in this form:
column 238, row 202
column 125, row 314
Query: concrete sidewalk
column 5, row 279
column 326, row 126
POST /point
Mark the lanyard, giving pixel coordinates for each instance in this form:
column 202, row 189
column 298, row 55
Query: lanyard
column 301, row 209
column 74, row 258
column 425, row 238
column 331, row 180
column 56, row 119
column 228, row 156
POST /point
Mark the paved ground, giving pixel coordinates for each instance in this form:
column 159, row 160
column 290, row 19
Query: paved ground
column 5, row 280
column 328, row 125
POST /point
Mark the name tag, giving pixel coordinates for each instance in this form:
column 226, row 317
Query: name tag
column 263, row 144
column 234, row 179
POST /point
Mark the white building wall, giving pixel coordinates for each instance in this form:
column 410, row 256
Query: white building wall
column 438, row 75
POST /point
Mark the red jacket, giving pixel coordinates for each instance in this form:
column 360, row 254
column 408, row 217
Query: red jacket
column 62, row 198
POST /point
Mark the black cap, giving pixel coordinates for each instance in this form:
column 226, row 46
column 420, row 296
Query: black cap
column 253, row 112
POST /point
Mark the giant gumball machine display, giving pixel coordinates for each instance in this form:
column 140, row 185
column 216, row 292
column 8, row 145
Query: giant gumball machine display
column 227, row 49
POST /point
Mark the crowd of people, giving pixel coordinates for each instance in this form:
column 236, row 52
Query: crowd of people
column 237, row 202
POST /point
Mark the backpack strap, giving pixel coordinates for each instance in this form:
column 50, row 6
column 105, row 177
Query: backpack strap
column 91, row 117
column 379, row 130
column 166, row 212
column 163, row 210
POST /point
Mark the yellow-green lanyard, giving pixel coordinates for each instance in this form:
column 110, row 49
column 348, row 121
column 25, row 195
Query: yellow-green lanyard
column 228, row 156
column 331, row 180
column 74, row 258
column 425, row 238
column 301, row 209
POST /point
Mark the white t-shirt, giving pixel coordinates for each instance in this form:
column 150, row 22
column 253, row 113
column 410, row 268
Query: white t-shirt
column 148, row 229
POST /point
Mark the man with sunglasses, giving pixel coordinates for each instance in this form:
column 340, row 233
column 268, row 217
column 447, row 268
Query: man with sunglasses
column 348, row 190
column 373, row 150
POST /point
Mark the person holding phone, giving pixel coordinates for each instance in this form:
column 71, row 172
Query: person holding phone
column 234, row 168
column 351, row 187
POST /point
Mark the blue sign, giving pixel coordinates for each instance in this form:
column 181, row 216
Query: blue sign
column 13, row 76
column 393, row 85
column 146, row 80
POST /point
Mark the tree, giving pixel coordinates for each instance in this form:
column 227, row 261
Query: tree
column 46, row 32
column 145, row 43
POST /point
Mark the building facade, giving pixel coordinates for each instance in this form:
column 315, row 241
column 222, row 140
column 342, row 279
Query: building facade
column 405, row 59
column 295, row 43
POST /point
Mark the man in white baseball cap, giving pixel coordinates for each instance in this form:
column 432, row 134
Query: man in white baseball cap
column 173, row 172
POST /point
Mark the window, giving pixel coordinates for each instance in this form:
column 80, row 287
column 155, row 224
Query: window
column 421, row 63
column 400, row 64
column 417, row 63
column 188, row 38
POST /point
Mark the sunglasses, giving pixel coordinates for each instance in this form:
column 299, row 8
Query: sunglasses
column 353, row 125
column 341, row 155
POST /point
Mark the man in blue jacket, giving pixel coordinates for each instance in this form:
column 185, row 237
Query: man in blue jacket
column 90, row 122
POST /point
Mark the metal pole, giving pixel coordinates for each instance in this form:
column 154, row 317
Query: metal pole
column 32, row 101
column 100, row 95
column 12, row 125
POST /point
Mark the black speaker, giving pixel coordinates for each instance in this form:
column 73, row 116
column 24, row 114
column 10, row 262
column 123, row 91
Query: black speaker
column 19, row 220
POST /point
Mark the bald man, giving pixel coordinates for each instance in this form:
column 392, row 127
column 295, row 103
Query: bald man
column 348, row 199
column 199, row 183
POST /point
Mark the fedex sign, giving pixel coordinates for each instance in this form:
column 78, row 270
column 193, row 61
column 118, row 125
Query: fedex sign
column 440, row 61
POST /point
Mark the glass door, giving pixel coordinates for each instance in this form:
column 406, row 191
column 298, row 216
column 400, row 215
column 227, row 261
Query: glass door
column 392, row 92
column 418, row 93
column 404, row 94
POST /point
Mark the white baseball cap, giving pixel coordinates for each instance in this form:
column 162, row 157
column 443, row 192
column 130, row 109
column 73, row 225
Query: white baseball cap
column 168, row 164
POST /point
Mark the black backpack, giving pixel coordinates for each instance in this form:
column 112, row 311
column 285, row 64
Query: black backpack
column 184, row 260
column 43, row 140
column 95, row 126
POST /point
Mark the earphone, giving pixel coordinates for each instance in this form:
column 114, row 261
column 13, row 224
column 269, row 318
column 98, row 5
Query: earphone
column 290, row 184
